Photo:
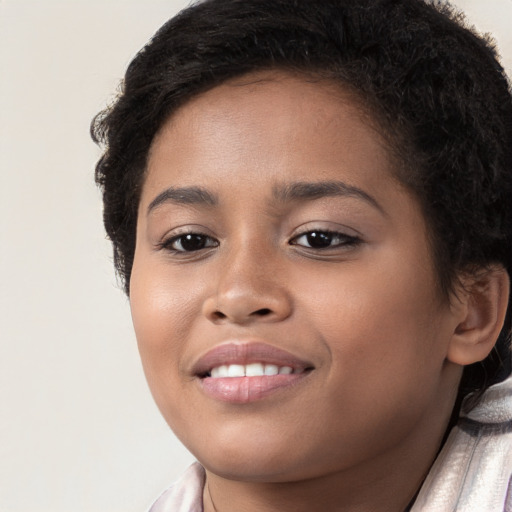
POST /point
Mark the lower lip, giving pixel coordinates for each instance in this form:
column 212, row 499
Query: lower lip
column 242, row 390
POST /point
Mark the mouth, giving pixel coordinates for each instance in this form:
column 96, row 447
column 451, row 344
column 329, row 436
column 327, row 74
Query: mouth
column 247, row 372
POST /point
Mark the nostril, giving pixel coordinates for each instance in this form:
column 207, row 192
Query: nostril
column 262, row 312
column 219, row 315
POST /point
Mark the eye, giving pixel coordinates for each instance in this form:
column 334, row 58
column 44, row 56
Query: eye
column 189, row 242
column 318, row 239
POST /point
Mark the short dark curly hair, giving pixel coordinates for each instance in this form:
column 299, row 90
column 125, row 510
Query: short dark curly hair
column 433, row 85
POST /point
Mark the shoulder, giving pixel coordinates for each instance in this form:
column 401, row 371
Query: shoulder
column 473, row 471
column 185, row 495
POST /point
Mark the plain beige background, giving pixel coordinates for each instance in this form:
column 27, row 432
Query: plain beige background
column 78, row 428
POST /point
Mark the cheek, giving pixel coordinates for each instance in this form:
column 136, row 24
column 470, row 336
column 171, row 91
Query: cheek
column 378, row 315
column 162, row 304
column 387, row 344
column 162, row 314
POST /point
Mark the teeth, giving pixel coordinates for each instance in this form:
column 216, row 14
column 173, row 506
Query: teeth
column 236, row 370
column 219, row 371
column 250, row 370
column 254, row 370
column 271, row 369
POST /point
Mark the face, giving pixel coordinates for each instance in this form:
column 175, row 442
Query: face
column 283, row 292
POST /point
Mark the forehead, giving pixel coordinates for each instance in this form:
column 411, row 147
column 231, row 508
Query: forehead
column 269, row 123
column 290, row 103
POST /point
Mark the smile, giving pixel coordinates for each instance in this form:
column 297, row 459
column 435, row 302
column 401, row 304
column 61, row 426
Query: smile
column 243, row 373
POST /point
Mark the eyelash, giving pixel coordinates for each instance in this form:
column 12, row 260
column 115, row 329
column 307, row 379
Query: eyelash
column 207, row 242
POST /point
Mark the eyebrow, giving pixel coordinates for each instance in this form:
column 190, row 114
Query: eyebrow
column 318, row 189
column 183, row 195
column 281, row 193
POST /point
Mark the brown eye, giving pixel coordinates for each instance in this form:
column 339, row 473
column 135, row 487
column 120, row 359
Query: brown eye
column 190, row 242
column 324, row 240
column 319, row 240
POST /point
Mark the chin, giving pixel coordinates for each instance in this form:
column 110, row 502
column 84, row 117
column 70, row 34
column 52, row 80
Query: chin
column 265, row 460
column 266, row 468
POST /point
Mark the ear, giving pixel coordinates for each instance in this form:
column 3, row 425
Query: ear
column 480, row 306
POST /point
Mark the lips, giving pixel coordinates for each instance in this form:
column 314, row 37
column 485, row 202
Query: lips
column 245, row 372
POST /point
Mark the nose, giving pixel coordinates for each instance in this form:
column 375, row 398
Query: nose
column 248, row 288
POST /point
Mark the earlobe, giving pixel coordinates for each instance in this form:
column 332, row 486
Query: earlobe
column 482, row 306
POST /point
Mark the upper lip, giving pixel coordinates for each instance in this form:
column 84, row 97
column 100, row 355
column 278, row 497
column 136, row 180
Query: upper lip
column 246, row 353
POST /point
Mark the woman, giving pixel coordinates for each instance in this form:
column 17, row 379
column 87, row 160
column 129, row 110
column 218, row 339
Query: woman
column 310, row 208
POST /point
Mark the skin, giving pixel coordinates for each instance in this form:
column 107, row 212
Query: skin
column 362, row 429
